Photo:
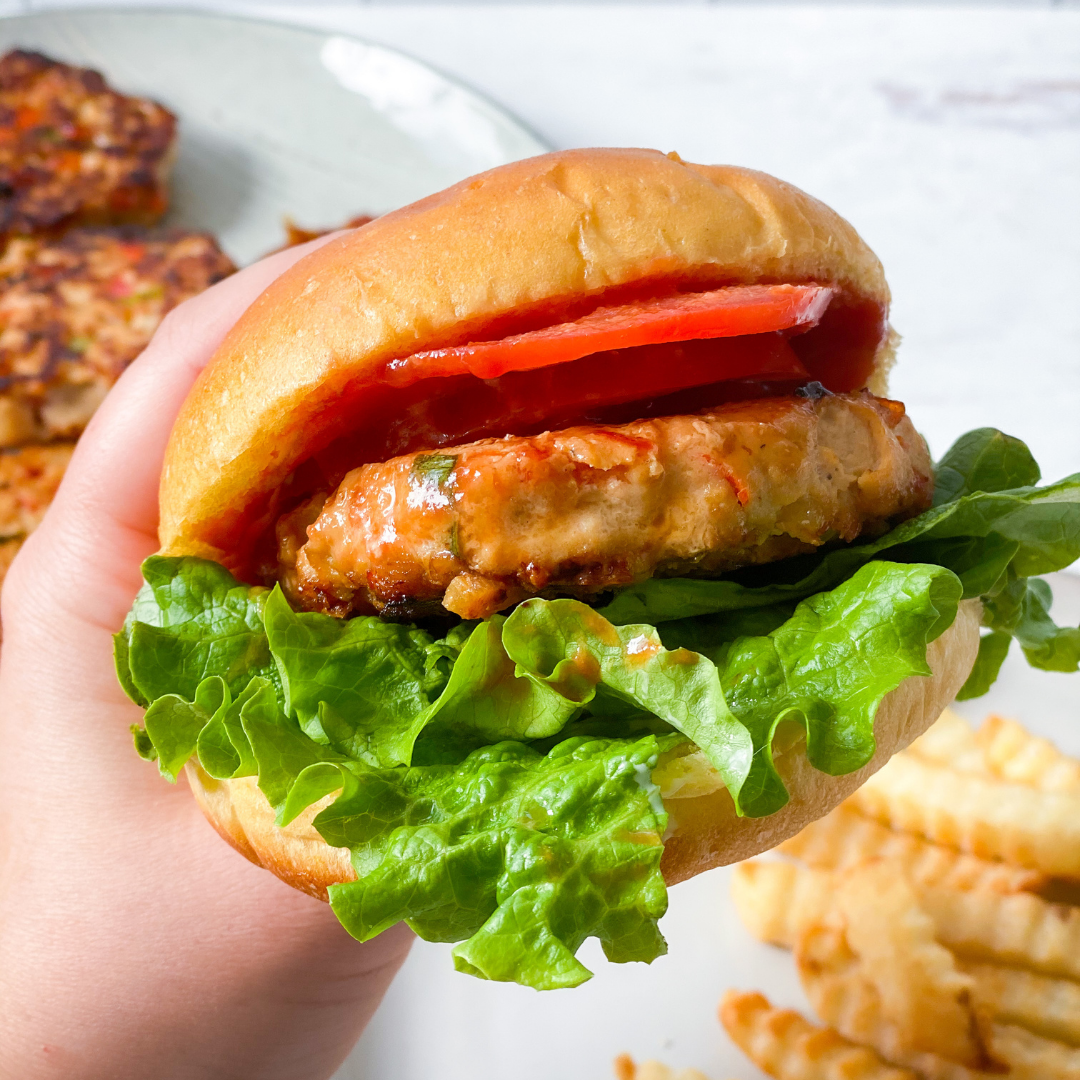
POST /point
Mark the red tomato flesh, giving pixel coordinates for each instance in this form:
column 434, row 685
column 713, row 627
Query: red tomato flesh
column 736, row 311
column 606, row 387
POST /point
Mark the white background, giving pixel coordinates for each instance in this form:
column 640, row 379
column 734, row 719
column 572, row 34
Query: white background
column 951, row 138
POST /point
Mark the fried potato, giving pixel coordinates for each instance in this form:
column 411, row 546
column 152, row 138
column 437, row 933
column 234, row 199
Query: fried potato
column 842, row 994
column 1000, row 748
column 1029, row 1055
column 1015, row 755
column 845, row 837
column 777, row 900
column 1021, row 929
column 981, row 815
column 1045, row 1006
column 951, row 741
column 625, row 1069
column 788, row 1047
column 917, row 926
column 838, row 986
column 921, row 990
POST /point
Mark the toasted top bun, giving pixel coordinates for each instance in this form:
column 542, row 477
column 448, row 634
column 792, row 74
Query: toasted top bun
column 521, row 246
column 703, row 828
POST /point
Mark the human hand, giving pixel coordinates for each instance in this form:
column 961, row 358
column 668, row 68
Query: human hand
column 133, row 941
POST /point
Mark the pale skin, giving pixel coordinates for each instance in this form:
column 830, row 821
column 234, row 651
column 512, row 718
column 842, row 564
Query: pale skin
column 133, row 940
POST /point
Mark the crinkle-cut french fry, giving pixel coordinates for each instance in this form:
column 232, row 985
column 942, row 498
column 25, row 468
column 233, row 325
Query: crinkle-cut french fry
column 625, row 1069
column 922, row 991
column 776, row 899
column 1031, row 1056
column 1018, row 757
column 788, row 1047
column 845, row 837
column 845, row 998
column 1019, row 929
column 984, row 816
column 1045, row 1006
column 951, row 741
column 837, row 986
column 1001, row 748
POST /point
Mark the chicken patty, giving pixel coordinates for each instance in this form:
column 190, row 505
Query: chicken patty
column 75, row 312
column 29, row 478
column 75, row 152
column 477, row 528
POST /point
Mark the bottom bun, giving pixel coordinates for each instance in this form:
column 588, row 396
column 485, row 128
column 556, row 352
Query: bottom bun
column 703, row 829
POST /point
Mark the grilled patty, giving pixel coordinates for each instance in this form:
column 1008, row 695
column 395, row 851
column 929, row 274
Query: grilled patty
column 28, row 481
column 75, row 152
column 75, row 312
column 477, row 528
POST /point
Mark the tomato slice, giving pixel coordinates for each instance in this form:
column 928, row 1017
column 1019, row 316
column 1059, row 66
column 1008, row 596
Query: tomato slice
column 648, row 380
column 730, row 312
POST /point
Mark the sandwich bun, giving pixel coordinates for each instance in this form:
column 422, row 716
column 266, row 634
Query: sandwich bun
column 526, row 245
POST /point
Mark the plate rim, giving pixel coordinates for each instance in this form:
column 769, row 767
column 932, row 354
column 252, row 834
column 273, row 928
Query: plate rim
column 203, row 14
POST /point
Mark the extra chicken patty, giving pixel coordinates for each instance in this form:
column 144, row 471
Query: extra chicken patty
column 479, row 527
column 75, row 152
column 29, row 478
column 75, row 312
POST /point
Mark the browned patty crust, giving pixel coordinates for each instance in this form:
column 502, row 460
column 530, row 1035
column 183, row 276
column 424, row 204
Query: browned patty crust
column 29, row 478
column 75, row 312
column 75, row 152
column 482, row 526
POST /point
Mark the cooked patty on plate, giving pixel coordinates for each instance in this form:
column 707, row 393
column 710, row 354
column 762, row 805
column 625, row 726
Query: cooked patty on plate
column 75, row 152
column 29, row 478
column 74, row 312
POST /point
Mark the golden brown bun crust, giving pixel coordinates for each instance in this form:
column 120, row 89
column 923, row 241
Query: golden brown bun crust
column 526, row 237
column 707, row 833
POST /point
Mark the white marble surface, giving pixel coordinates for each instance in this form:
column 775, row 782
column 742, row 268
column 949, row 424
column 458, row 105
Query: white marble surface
column 951, row 138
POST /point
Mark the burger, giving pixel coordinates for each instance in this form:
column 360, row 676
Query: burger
column 552, row 540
